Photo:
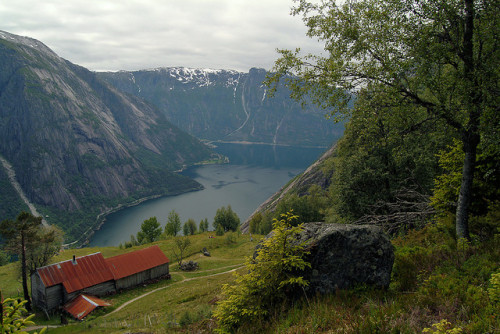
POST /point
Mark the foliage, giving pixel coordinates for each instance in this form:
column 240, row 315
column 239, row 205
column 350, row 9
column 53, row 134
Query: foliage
column 227, row 219
column 13, row 318
column 181, row 247
column 271, row 276
column 379, row 158
column 150, row 231
column 442, row 327
column 485, row 189
column 219, row 231
column 189, row 227
column 203, row 227
column 494, row 289
column 46, row 243
column 173, row 226
column 440, row 57
column 4, row 258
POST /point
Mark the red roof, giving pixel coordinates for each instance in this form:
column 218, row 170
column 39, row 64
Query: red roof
column 87, row 271
column 134, row 262
column 83, row 305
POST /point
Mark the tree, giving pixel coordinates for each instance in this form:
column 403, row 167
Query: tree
column 19, row 234
column 173, row 225
column 189, row 227
column 203, row 225
column 440, row 56
column 45, row 245
column 150, row 231
column 226, row 218
column 270, row 277
column 181, row 246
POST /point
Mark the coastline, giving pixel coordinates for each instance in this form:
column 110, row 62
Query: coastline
column 101, row 218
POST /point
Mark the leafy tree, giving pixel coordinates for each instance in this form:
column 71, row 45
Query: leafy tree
column 150, row 231
column 18, row 235
column 189, row 227
column 378, row 158
column 45, row 245
column 181, row 246
column 269, row 279
column 173, row 226
column 203, row 225
column 227, row 219
column 440, row 56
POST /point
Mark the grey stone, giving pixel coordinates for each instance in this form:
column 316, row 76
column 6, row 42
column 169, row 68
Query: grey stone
column 189, row 266
column 205, row 251
column 343, row 256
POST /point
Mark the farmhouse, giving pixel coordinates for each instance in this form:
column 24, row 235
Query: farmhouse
column 61, row 283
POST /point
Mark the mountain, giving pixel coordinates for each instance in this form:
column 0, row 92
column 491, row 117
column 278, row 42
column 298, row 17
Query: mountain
column 78, row 146
column 222, row 105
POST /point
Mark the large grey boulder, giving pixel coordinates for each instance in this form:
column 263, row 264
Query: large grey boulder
column 343, row 256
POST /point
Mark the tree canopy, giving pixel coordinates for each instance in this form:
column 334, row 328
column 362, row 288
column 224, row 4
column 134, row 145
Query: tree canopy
column 150, row 231
column 173, row 226
column 227, row 219
column 439, row 57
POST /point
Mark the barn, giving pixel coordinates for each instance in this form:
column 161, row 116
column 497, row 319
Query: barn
column 54, row 285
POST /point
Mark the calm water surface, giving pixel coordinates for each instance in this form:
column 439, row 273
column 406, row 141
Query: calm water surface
column 255, row 173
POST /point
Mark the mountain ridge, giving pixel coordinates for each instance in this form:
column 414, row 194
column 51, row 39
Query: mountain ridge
column 227, row 106
column 80, row 147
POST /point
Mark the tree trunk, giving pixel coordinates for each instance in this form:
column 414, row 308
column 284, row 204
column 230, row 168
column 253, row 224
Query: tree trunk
column 23, row 273
column 464, row 198
column 470, row 136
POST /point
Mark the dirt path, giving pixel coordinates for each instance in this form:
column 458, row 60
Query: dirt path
column 12, row 178
column 119, row 308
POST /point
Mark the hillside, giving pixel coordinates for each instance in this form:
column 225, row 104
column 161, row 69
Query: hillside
column 78, row 146
column 223, row 105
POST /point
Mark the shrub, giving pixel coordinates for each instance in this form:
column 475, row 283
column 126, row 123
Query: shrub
column 269, row 278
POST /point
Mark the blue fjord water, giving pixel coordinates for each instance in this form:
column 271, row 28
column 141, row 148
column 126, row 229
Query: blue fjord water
column 254, row 173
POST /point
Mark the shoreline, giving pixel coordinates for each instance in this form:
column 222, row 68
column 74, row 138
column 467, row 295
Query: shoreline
column 101, row 218
column 264, row 143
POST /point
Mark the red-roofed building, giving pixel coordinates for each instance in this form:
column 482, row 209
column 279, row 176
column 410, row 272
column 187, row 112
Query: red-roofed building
column 131, row 269
column 56, row 284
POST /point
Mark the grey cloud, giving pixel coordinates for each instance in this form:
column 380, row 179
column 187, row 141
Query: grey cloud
column 133, row 34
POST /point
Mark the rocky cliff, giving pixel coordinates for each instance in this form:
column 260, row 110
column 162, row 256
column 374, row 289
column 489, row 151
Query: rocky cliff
column 221, row 105
column 79, row 146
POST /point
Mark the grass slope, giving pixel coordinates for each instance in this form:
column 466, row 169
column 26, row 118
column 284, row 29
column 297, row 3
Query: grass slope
column 434, row 279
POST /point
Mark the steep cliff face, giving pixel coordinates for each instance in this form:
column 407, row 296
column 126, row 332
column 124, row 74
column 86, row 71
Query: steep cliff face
column 77, row 145
column 220, row 105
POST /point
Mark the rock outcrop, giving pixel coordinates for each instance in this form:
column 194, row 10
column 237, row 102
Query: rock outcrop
column 344, row 256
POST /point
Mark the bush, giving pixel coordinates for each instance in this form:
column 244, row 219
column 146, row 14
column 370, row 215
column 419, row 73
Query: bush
column 270, row 277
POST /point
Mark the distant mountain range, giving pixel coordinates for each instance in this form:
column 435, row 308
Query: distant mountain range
column 222, row 105
column 78, row 146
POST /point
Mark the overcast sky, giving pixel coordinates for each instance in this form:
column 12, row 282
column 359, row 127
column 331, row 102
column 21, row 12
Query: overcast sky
column 140, row 34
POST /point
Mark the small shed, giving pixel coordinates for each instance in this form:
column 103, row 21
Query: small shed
column 134, row 268
column 82, row 305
